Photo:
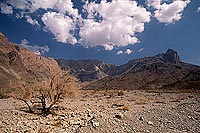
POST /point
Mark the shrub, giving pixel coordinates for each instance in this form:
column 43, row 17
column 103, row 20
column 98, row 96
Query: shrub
column 43, row 98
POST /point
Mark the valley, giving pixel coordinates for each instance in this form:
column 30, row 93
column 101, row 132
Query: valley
column 157, row 94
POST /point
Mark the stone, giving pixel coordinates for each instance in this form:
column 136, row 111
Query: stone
column 141, row 118
column 119, row 115
column 75, row 122
column 95, row 124
column 150, row 123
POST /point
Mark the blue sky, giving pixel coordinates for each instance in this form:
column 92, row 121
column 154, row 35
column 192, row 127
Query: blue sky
column 112, row 31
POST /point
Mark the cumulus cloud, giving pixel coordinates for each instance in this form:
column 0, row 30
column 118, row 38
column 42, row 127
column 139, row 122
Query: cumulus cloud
column 108, row 47
column 35, row 49
column 114, row 23
column 6, row 9
column 31, row 6
column 168, row 13
column 108, row 24
column 32, row 21
column 153, row 3
column 19, row 4
column 128, row 51
column 61, row 26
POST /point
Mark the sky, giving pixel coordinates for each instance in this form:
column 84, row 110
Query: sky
column 114, row 31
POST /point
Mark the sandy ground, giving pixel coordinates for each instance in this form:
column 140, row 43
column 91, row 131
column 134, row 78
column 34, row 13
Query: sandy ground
column 109, row 112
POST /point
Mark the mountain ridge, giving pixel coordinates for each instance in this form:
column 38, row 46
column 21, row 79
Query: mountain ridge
column 156, row 72
column 83, row 69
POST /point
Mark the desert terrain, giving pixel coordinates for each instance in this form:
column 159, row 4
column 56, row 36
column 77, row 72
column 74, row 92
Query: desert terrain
column 158, row 94
column 109, row 111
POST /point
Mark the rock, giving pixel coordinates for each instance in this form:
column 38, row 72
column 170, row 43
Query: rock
column 141, row 118
column 95, row 124
column 75, row 122
column 150, row 123
column 119, row 115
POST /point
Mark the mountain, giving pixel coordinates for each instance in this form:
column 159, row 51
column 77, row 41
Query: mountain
column 92, row 70
column 191, row 80
column 87, row 70
column 19, row 66
column 148, row 73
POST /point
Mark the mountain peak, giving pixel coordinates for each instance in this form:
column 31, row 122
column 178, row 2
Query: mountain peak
column 171, row 56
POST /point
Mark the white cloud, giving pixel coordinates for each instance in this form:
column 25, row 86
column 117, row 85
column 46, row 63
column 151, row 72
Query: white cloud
column 19, row 4
column 140, row 50
column 108, row 47
column 168, row 13
column 198, row 9
column 33, row 5
column 128, row 51
column 120, row 52
column 32, row 21
column 121, row 20
column 35, row 49
column 6, row 9
column 153, row 3
column 61, row 26
column 67, row 6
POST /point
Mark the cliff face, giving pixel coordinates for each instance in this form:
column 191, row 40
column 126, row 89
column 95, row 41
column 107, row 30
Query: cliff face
column 86, row 70
column 20, row 66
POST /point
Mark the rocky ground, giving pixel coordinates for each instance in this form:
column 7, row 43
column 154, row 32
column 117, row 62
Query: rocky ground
column 109, row 112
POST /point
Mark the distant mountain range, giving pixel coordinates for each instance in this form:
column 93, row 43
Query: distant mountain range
column 19, row 66
column 143, row 73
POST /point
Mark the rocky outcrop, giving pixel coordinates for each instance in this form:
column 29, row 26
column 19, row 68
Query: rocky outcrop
column 86, row 70
column 171, row 56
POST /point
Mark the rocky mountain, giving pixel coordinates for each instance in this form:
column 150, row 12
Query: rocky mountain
column 19, row 66
column 87, row 70
column 92, row 70
column 148, row 73
column 191, row 80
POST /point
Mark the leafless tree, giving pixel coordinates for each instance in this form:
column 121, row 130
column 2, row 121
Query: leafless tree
column 46, row 96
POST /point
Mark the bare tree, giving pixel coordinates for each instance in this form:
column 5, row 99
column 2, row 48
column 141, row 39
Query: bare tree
column 43, row 97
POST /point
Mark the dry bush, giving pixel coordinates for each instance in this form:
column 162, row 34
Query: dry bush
column 44, row 96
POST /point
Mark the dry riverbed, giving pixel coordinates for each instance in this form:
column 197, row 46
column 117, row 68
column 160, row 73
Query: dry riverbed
column 109, row 112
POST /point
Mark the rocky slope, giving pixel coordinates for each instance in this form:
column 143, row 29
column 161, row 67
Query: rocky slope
column 86, row 70
column 147, row 73
column 19, row 66
column 191, row 80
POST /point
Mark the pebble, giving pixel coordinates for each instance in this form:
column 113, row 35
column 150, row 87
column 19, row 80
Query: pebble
column 150, row 123
column 141, row 118
column 119, row 115
column 95, row 124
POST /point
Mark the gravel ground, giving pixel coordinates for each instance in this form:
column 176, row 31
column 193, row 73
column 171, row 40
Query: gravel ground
column 109, row 112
